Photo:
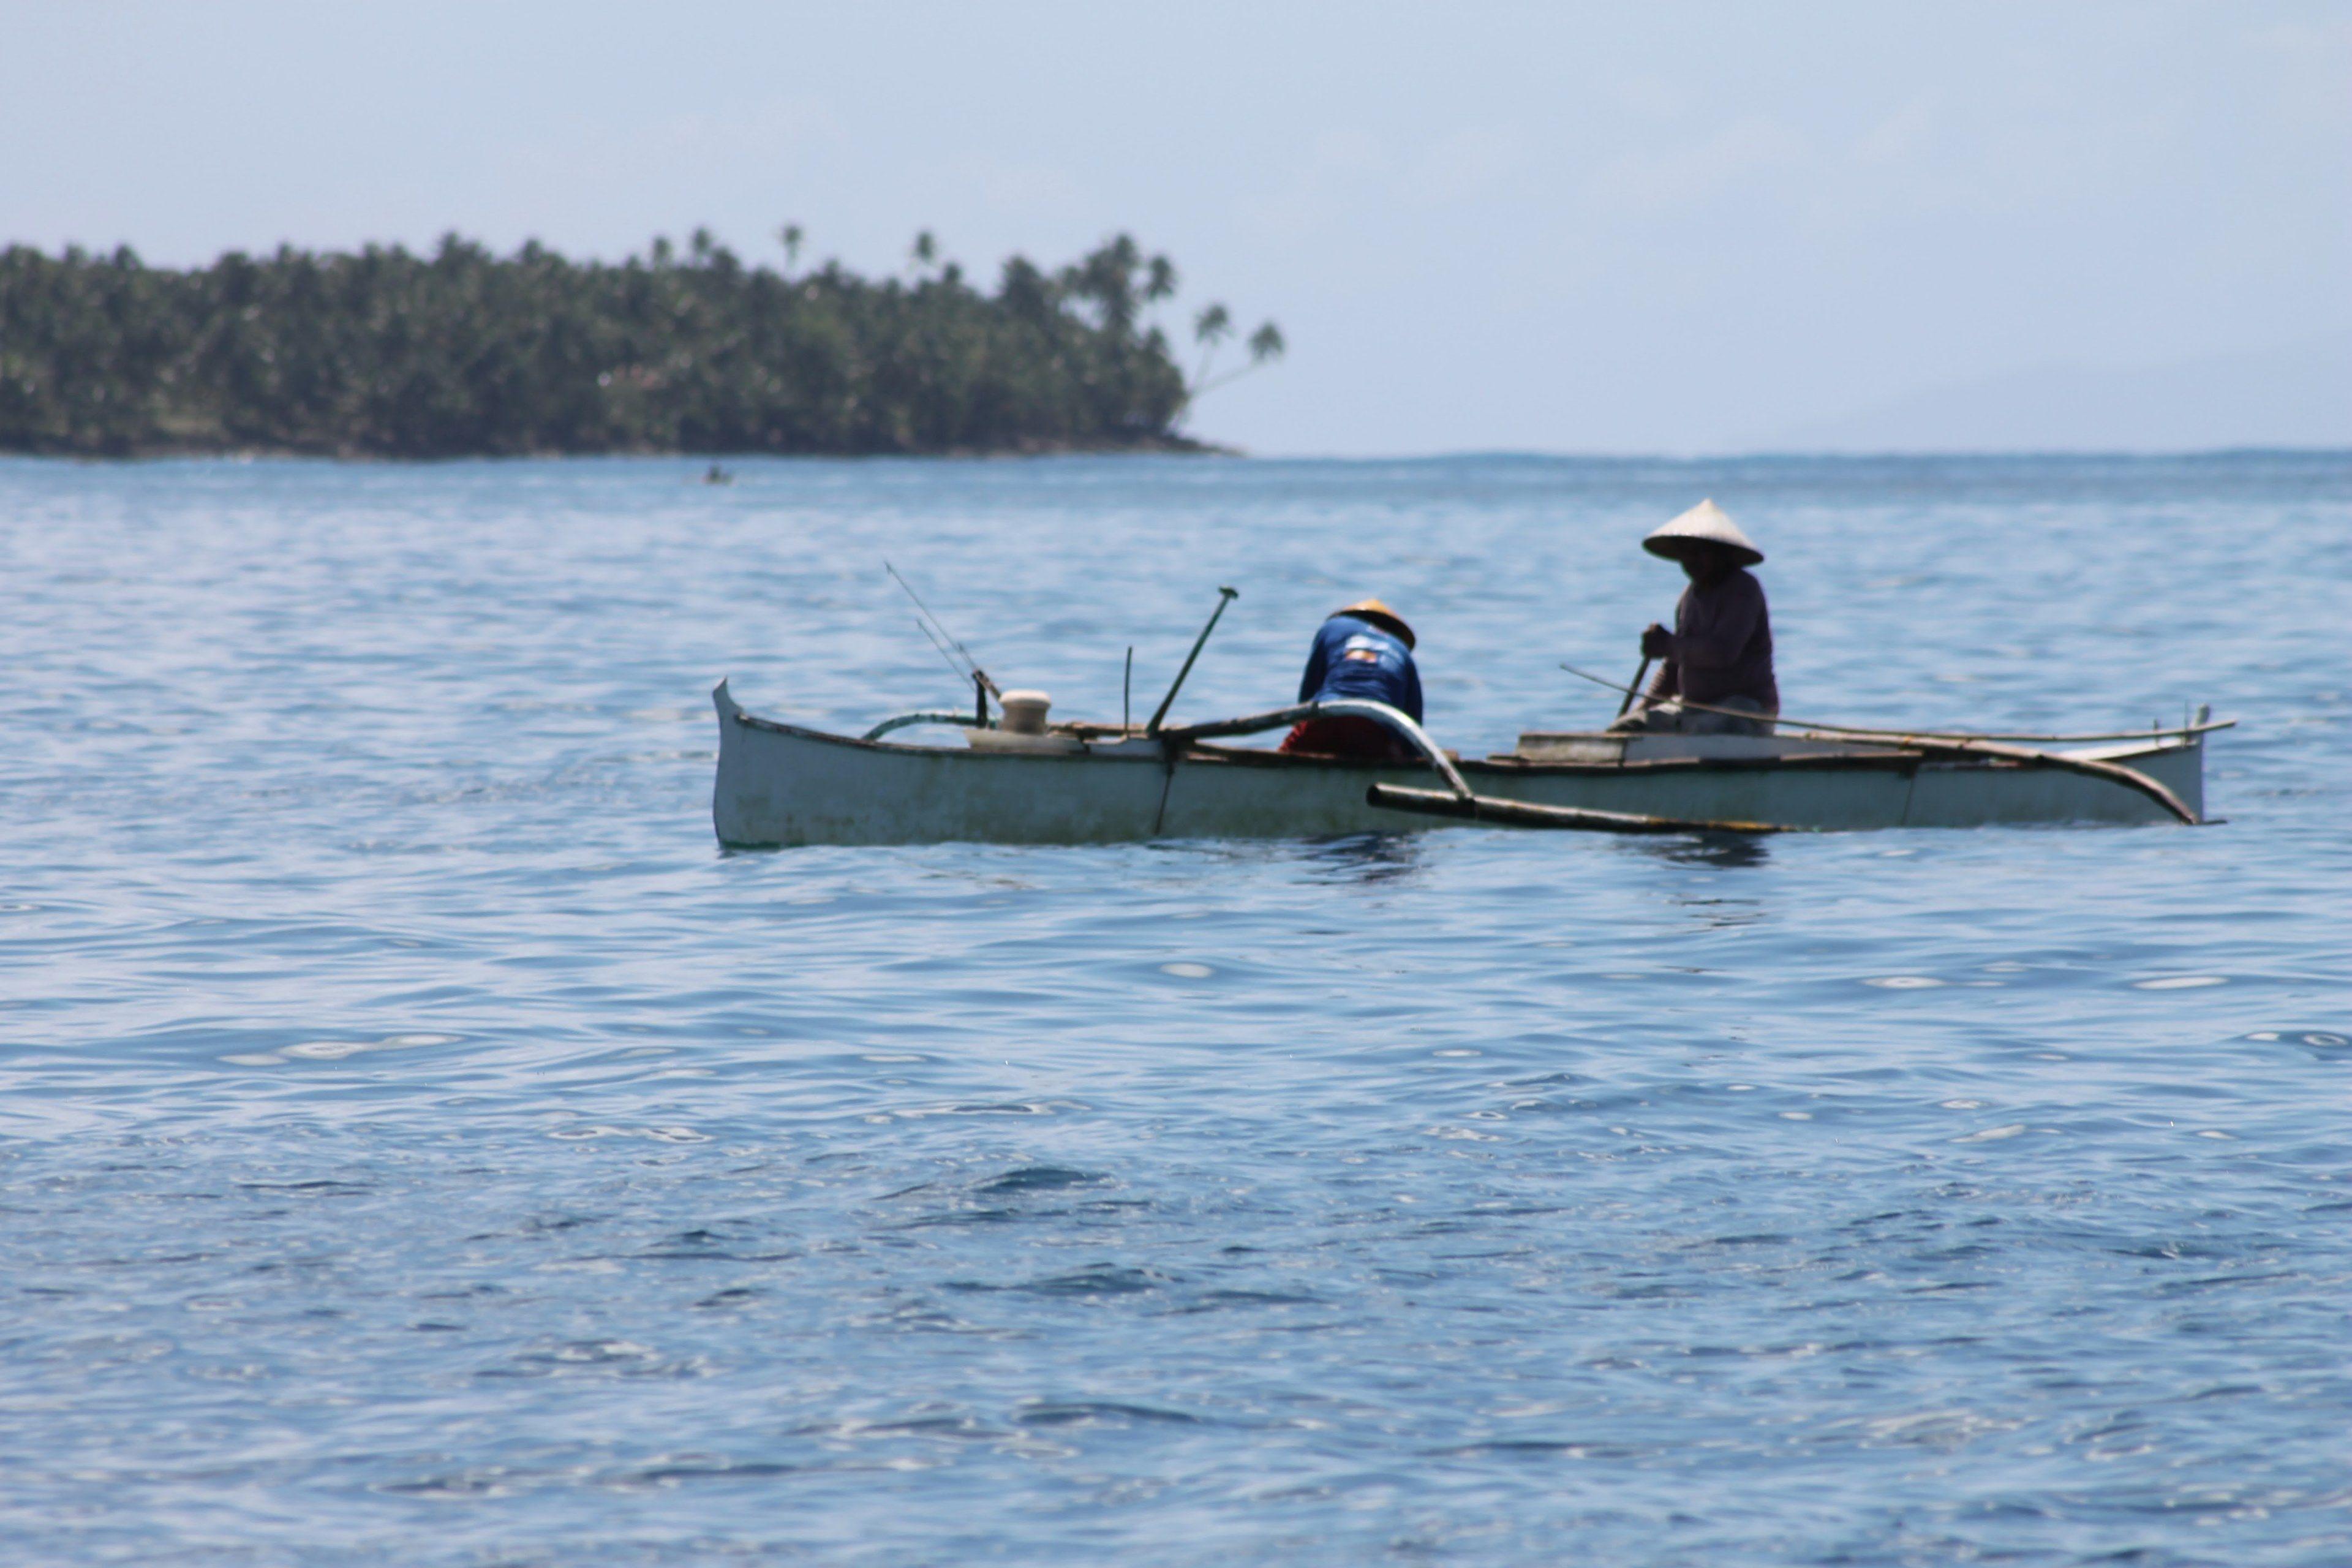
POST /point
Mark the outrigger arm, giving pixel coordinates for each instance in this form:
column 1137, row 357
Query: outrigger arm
column 1457, row 799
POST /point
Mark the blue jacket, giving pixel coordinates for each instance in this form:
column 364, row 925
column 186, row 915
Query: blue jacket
column 1356, row 658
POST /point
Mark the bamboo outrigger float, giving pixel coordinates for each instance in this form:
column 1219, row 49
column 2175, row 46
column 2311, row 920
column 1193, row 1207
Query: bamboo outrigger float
column 1089, row 783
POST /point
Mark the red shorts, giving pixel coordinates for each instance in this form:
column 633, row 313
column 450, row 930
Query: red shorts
column 1351, row 735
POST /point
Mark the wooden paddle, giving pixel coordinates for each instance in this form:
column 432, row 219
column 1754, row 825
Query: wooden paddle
column 1635, row 689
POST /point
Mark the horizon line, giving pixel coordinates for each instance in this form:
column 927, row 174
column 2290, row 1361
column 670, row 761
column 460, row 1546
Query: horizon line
column 1213, row 451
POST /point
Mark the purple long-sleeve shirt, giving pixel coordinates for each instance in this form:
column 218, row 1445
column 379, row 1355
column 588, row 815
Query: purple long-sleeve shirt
column 1723, row 644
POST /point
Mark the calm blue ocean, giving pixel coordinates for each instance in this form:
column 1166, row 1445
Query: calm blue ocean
column 421, row 1144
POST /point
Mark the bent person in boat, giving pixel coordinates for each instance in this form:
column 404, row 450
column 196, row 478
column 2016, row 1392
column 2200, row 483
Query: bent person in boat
column 1719, row 654
column 1363, row 650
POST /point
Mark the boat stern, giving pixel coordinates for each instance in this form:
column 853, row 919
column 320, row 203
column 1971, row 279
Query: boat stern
column 2175, row 761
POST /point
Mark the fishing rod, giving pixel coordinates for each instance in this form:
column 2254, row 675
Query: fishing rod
column 924, row 626
column 970, row 665
column 1224, row 596
column 983, row 687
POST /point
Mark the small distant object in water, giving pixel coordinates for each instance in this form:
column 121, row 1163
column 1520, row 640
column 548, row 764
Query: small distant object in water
column 718, row 475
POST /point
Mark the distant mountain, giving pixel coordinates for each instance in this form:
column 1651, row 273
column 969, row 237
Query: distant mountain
column 2299, row 396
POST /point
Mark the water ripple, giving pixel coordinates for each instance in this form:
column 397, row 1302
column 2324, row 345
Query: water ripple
column 419, row 1142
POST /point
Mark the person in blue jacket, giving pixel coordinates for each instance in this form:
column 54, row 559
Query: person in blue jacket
column 1363, row 650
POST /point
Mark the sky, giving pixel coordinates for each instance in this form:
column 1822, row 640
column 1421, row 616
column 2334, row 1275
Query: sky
column 1669, row 227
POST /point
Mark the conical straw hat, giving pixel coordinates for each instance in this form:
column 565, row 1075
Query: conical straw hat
column 1705, row 521
column 1379, row 614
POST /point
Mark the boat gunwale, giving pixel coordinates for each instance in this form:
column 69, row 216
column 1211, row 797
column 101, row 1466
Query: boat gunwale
column 1889, row 760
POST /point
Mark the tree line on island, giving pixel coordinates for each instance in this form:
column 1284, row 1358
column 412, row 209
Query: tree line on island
column 385, row 352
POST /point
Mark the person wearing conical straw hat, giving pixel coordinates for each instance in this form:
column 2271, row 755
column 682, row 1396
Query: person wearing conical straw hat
column 1720, row 651
column 1363, row 649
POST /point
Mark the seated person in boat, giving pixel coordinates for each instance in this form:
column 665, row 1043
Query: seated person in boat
column 1720, row 654
column 1364, row 650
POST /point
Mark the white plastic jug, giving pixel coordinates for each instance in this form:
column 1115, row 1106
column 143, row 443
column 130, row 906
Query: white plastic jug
column 1025, row 711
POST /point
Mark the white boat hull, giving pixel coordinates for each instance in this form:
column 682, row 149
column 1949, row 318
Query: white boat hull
column 781, row 784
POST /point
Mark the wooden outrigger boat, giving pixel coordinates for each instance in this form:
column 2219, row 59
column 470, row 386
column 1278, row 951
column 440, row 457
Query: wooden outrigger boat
column 1086, row 783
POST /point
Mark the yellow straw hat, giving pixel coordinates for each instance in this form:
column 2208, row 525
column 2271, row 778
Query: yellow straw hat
column 1705, row 522
column 1380, row 615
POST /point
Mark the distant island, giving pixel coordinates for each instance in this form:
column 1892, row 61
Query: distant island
column 462, row 353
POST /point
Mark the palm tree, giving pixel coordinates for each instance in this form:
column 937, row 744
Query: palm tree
column 460, row 350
